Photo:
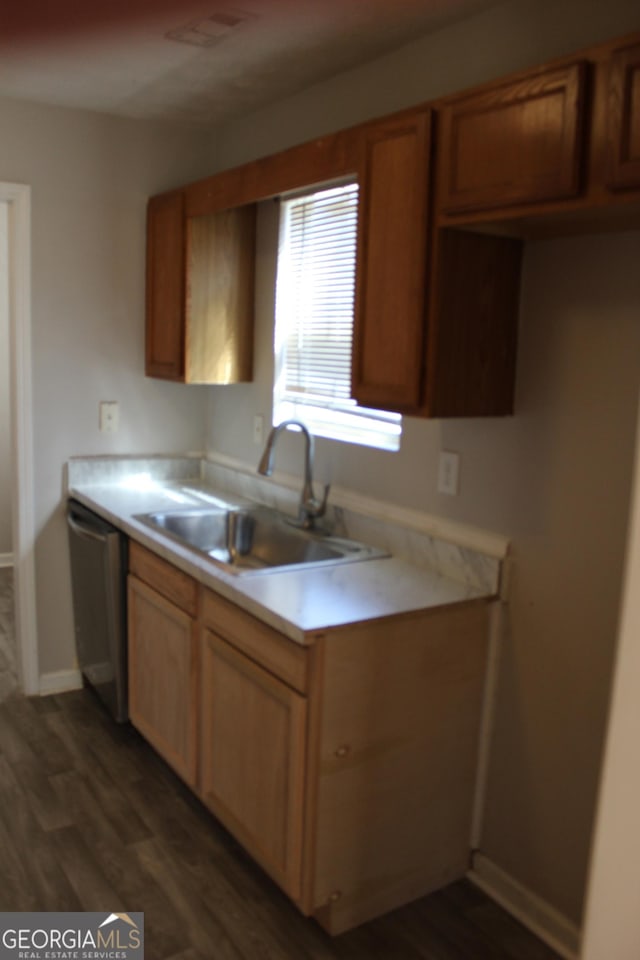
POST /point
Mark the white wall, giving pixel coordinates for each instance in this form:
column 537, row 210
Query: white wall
column 555, row 478
column 5, row 419
column 612, row 927
column 511, row 36
column 90, row 177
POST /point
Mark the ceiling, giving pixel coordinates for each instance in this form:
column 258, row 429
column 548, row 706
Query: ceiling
column 198, row 61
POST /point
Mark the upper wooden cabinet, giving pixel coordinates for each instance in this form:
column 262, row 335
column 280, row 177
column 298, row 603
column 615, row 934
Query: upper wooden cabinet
column 165, row 342
column 435, row 329
column 623, row 170
column 200, row 282
column 551, row 152
column 392, row 262
column 513, row 143
column 220, row 296
column 473, row 325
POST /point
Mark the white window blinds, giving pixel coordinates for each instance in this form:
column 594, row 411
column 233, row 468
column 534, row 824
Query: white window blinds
column 314, row 320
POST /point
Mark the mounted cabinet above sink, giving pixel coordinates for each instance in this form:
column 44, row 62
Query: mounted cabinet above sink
column 200, row 292
column 449, row 190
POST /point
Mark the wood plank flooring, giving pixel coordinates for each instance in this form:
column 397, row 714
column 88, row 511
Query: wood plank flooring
column 92, row 819
column 8, row 658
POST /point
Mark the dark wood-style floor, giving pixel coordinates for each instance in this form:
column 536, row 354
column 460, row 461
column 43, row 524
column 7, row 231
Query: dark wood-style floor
column 92, row 819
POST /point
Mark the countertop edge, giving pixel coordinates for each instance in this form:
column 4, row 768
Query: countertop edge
column 239, row 591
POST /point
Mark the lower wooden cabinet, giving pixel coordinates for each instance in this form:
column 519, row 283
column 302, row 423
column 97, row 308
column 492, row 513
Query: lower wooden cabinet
column 252, row 758
column 162, row 676
column 345, row 766
column 394, row 761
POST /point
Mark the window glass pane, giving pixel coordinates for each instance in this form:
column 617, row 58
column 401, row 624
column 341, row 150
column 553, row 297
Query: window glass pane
column 314, row 320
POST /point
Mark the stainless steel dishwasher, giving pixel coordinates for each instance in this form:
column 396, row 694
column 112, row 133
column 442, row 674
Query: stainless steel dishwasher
column 98, row 576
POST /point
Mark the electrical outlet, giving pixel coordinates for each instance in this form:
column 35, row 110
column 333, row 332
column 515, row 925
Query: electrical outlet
column 108, row 416
column 448, row 473
column 258, row 429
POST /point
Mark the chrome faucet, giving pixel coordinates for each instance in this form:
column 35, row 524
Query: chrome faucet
column 310, row 509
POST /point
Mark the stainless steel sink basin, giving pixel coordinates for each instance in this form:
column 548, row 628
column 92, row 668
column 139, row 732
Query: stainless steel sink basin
column 254, row 540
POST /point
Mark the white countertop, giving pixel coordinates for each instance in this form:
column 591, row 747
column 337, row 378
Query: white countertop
column 299, row 603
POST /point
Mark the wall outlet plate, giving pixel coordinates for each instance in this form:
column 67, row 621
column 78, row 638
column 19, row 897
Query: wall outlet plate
column 448, row 473
column 108, row 416
column 258, row 429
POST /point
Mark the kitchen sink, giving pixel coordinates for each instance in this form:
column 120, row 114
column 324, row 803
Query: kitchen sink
column 255, row 540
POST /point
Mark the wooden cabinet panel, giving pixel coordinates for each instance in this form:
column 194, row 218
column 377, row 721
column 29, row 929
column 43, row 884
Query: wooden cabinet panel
column 398, row 755
column 474, row 324
column 220, row 301
column 165, row 286
column 252, row 760
column 176, row 586
column 162, row 677
column 514, row 143
column 391, row 267
column 200, row 304
column 624, row 119
column 315, row 162
column 276, row 653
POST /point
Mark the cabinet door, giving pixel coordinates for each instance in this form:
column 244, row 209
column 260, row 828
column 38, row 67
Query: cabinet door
column 515, row 143
column 165, row 328
column 220, row 296
column 252, row 758
column 391, row 267
column 624, row 119
column 474, row 324
column 162, row 677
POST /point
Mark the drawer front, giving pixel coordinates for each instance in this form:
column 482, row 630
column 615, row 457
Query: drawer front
column 516, row 143
column 172, row 583
column 280, row 656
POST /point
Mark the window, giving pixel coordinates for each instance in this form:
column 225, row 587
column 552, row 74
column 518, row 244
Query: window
column 314, row 321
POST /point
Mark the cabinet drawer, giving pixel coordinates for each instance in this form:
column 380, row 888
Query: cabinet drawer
column 163, row 577
column 515, row 143
column 276, row 653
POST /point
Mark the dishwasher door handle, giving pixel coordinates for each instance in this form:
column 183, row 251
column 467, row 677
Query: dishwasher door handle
column 83, row 531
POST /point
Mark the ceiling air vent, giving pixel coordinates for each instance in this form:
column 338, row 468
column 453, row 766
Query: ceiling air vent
column 212, row 30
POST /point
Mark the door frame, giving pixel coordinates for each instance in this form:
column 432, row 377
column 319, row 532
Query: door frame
column 18, row 198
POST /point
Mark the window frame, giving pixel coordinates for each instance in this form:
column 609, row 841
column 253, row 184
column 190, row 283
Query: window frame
column 331, row 417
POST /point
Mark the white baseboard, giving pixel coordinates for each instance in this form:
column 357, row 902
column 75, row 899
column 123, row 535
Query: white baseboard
column 536, row 914
column 6, row 559
column 60, row 682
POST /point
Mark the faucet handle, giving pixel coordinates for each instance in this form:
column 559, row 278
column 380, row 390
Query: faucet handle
column 312, row 509
column 322, row 504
